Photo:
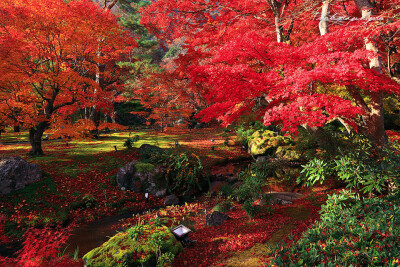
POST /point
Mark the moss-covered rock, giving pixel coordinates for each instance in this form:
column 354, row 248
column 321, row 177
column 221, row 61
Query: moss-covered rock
column 266, row 142
column 145, row 167
column 140, row 245
column 287, row 153
column 142, row 177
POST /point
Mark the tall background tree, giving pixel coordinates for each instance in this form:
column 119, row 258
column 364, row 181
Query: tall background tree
column 49, row 53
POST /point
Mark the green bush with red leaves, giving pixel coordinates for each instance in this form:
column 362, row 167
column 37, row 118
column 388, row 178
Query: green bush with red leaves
column 350, row 232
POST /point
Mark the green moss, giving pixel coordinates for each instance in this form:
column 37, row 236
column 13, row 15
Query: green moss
column 266, row 142
column 287, row 153
column 144, row 167
column 138, row 246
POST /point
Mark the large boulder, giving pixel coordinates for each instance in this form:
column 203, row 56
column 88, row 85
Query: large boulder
column 141, row 177
column 216, row 218
column 266, row 142
column 16, row 173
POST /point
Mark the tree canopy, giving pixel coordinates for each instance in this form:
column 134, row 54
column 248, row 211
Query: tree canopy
column 50, row 56
column 287, row 60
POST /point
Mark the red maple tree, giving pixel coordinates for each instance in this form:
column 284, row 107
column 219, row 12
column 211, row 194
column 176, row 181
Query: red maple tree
column 306, row 62
column 50, row 60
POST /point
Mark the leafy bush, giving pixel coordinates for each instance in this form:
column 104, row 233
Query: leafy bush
column 226, row 190
column 364, row 168
column 351, row 232
column 131, row 141
column 184, row 173
column 145, row 244
column 254, row 178
column 151, row 154
column 252, row 187
column 325, row 142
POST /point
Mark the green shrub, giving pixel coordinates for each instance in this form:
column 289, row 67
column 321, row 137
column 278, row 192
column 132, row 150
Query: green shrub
column 184, row 173
column 145, row 244
column 131, row 141
column 324, row 143
column 226, row 190
column 351, row 232
column 87, row 202
column 365, row 169
column 254, row 178
column 252, row 187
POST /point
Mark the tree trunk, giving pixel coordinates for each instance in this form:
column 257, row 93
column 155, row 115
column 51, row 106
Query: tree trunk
column 375, row 122
column 324, row 21
column 276, row 9
column 95, row 117
column 278, row 28
column 16, row 129
column 35, row 138
column 375, row 118
column 95, row 113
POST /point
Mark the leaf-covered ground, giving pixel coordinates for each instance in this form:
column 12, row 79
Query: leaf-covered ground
column 79, row 187
column 79, row 184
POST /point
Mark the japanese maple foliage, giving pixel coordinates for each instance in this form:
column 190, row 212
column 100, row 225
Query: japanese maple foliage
column 307, row 80
column 50, row 55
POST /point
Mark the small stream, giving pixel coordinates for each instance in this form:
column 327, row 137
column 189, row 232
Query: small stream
column 93, row 234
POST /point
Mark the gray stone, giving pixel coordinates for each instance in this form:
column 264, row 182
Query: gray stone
column 161, row 192
column 281, row 201
column 216, row 218
column 171, row 200
column 283, row 198
column 16, row 173
column 141, row 177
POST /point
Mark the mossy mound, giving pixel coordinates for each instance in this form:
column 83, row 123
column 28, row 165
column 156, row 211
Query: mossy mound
column 140, row 245
column 266, row 142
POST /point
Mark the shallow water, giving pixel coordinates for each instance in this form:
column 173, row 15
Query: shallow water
column 94, row 234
